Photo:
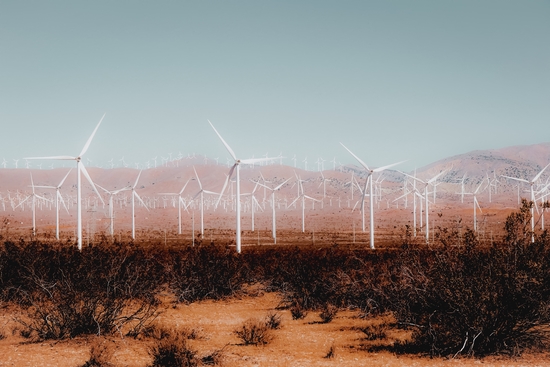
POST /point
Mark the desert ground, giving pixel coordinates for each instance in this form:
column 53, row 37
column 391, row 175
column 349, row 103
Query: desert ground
column 303, row 342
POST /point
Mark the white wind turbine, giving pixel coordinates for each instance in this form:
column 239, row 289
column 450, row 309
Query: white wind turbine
column 79, row 169
column 277, row 188
column 180, row 202
column 58, row 197
column 111, row 206
column 369, row 179
column 476, row 204
column 236, row 167
column 34, row 195
column 136, row 195
column 201, row 192
column 303, row 196
column 253, row 202
column 425, row 197
column 531, row 185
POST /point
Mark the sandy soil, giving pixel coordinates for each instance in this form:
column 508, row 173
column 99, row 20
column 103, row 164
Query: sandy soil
column 297, row 343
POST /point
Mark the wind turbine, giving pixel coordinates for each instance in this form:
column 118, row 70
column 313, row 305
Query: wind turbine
column 79, row 169
column 201, row 192
column 369, row 176
column 34, row 195
column 302, row 196
column 476, row 204
column 236, row 167
column 425, row 197
column 180, row 202
column 58, row 197
column 531, row 184
column 111, row 206
column 277, row 188
column 135, row 195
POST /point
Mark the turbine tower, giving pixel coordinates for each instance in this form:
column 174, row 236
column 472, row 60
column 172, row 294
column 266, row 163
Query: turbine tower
column 369, row 176
column 236, row 167
column 79, row 169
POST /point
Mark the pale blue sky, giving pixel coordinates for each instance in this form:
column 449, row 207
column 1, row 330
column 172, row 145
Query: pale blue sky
column 393, row 80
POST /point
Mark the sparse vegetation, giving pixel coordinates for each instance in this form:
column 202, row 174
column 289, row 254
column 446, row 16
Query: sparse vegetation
column 173, row 351
column 254, row 332
column 457, row 297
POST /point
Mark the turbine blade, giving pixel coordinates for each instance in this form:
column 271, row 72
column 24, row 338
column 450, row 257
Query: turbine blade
column 141, row 201
column 278, row 187
column 197, row 177
column 294, row 201
column 55, row 157
column 85, row 172
column 137, row 179
column 184, row 186
column 356, row 157
column 380, row 169
column 87, row 145
column 62, row 201
column 540, row 173
column 223, row 141
column 64, row 178
column 226, row 182
column 517, row 179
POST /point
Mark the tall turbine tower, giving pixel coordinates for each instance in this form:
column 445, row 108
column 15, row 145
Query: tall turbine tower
column 79, row 169
column 236, row 167
column 369, row 179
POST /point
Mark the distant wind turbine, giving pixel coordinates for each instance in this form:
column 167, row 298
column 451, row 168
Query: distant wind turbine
column 58, row 197
column 236, row 167
column 531, row 185
column 79, row 169
column 369, row 176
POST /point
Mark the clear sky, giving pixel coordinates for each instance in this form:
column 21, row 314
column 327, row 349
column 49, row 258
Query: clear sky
column 392, row 80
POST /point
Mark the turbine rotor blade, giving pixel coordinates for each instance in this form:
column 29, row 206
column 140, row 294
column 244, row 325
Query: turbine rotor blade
column 540, row 173
column 55, row 157
column 85, row 172
column 516, row 179
column 379, row 169
column 356, row 157
column 141, row 201
column 87, row 145
column 223, row 141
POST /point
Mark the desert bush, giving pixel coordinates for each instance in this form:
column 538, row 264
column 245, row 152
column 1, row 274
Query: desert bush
column 67, row 292
column 331, row 352
column 297, row 311
column 173, row 351
column 328, row 313
column 214, row 358
column 375, row 331
column 254, row 332
column 460, row 299
column 273, row 320
column 209, row 272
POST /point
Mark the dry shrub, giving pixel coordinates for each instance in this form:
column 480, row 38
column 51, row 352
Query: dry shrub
column 273, row 320
column 375, row 332
column 297, row 311
column 328, row 313
column 254, row 332
column 173, row 351
column 331, row 352
column 213, row 359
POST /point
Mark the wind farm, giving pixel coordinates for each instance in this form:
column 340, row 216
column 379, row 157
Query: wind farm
column 263, row 183
column 333, row 207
